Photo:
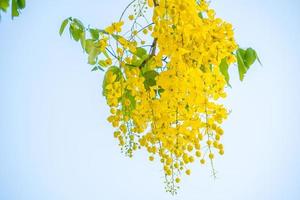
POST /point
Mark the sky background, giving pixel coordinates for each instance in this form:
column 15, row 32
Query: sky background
column 55, row 142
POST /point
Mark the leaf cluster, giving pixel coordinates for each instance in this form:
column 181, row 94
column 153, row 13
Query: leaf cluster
column 16, row 6
column 245, row 59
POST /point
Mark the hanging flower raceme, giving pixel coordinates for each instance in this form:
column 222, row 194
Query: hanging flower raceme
column 166, row 69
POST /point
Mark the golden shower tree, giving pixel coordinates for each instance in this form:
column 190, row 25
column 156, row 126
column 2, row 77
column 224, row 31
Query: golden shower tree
column 166, row 67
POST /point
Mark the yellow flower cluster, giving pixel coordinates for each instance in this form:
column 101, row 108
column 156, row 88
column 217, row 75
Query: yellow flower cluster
column 166, row 69
column 115, row 27
column 165, row 100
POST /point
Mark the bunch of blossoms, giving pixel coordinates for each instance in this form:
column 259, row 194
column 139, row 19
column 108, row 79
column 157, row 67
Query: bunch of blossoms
column 165, row 70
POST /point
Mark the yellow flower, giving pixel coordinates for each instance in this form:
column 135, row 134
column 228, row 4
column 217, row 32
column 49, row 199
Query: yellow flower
column 145, row 31
column 131, row 17
column 151, row 158
column 115, row 27
column 188, row 172
column 202, row 161
column 108, row 61
column 150, row 3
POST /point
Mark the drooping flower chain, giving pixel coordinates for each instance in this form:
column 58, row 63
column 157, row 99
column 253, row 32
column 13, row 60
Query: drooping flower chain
column 164, row 77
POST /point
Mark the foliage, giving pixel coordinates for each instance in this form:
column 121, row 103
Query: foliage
column 16, row 6
column 166, row 69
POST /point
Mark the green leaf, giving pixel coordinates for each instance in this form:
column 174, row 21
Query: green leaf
column 92, row 60
column 241, row 65
column 16, row 6
column 82, row 39
column 92, row 50
column 150, row 79
column 4, row 4
column 63, row 26
column 249, row 57
column 75, row 33
column 200, row 15
column 136, row 61
column 89, row 45
column 141, row 52
column 94, row 33
column 242, row 52
column 21, row 4
column 79, row 24
column 245, row 58
column 14, row 9
column 224, row 70
column 92, row 57
column 160, row 90
column 257, row 58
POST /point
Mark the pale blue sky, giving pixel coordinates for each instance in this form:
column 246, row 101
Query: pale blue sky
column 55, row 143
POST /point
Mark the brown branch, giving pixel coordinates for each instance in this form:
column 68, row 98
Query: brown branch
column 153, row 46
column 151, row 55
